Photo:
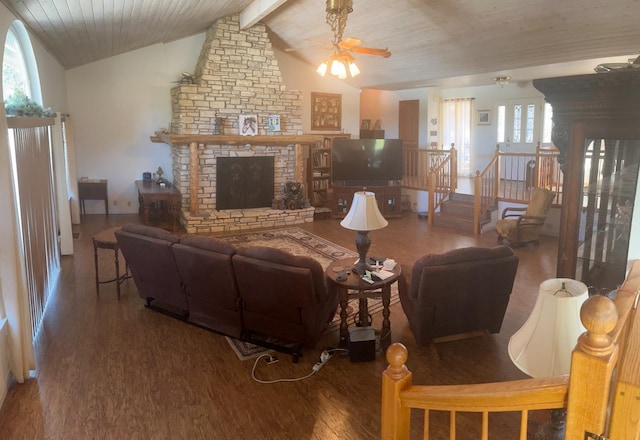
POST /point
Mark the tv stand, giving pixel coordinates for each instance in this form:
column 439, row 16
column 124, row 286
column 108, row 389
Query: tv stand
column 387, row 196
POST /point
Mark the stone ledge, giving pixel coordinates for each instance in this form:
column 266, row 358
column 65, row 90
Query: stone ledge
column 244, row 219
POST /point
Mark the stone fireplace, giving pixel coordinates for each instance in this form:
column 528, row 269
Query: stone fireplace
column 236, row 74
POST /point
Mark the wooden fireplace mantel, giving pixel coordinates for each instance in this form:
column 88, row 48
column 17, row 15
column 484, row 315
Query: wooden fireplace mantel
column 210, row 139
column 193, row 140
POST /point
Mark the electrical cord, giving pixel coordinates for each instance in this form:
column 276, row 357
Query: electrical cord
column 324, row 358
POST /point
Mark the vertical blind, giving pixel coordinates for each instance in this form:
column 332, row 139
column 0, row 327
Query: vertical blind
column 37, row 214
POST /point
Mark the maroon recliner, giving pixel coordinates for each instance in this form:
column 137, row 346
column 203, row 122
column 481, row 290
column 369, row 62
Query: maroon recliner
column 204, row 264
column 283, row 296
column 148, row 252
column 459, row 291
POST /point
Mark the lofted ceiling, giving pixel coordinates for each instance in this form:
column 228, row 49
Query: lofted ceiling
column 433, row 42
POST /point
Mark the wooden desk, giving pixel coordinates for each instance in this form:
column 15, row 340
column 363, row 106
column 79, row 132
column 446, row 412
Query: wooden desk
column 355, row 287
column 93, row 189
column 149, row 192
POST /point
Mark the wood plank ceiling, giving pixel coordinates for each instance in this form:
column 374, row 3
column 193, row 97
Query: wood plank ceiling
column 430, row 40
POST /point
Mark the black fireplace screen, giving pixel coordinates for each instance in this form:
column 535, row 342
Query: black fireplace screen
column 244, row 182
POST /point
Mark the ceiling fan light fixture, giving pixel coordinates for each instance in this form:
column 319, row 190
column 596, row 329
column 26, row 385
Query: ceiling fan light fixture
column 353, row 69
column 322, row 68
column 502, row 80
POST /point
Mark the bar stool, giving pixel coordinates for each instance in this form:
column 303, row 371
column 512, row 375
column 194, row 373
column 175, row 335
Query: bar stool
column 107, row 240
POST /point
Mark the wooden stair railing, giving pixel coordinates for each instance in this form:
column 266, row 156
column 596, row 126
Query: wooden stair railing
column 600, row 403
column 511, row 177
column 443, row 180
column 486, row 187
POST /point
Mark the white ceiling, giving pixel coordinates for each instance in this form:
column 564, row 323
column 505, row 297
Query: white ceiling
column 447, row 43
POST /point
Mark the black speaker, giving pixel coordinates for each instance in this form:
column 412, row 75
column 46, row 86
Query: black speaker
column 362, row 344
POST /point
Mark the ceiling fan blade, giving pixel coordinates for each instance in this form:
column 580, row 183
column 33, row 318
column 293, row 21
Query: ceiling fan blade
column 349, row 43
column 371, row 51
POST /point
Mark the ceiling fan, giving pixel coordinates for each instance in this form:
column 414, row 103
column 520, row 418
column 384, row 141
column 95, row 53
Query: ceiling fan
column 353, row 45
column 342, row 58
column 631, row 64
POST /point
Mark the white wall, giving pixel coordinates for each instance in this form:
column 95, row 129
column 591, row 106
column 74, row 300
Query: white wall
column 298, row 75
column 116, row 105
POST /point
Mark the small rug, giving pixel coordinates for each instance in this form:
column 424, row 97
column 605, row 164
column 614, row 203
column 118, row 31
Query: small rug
column 300, row 242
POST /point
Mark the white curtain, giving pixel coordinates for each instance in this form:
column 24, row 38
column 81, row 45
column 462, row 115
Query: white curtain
column 456, row 129
column 70, row 158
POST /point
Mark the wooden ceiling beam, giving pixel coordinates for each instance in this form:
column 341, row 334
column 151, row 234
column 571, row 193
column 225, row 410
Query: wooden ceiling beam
column 257, row 10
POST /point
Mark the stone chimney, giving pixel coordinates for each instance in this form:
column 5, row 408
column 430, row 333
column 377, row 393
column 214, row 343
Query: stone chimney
column 237, row 74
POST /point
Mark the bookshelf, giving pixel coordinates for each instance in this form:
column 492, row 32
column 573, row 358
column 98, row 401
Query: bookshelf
column 319, row 171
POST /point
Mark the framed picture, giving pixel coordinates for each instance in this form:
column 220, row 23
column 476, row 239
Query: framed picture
column 248, row 125
column 326, row 111
column 273, row 123
column 484, row 117
column 366, row 124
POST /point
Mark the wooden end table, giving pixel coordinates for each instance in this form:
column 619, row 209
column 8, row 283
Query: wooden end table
column 355, row 287
column 107, row 240
column 150, row 192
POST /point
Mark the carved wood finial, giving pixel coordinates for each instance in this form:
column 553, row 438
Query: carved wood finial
column 599, row 316
column 397, row 355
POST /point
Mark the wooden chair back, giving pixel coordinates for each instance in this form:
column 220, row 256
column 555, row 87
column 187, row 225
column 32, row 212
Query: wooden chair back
column 601, row 393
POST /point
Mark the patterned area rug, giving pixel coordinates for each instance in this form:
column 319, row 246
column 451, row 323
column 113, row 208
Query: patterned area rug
column 300, row 242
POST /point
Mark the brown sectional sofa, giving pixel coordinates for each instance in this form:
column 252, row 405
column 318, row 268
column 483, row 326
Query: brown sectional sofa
column 257, row 294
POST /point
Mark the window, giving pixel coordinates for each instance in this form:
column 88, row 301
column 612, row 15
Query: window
column 501, row 121
column 19, row 71
column 547, row 124
column 520, row 124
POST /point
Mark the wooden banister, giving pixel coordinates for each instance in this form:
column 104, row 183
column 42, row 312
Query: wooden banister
column 598, row 401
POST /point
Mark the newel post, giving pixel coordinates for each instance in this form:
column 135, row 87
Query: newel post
column 592, row 363
column 395, row 418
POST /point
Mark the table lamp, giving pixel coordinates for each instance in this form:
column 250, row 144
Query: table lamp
column 543, row 346
column 363, row 216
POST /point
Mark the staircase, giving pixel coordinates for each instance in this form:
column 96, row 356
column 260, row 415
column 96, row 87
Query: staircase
column 457, row 212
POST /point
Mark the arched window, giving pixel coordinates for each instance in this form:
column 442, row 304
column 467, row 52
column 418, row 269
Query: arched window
column 19, row 71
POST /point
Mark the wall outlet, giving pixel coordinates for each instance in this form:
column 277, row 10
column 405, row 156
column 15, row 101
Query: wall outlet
column 128, row 202
column 115, row 203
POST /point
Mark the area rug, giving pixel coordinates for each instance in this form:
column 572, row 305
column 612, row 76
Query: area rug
column 300, row 242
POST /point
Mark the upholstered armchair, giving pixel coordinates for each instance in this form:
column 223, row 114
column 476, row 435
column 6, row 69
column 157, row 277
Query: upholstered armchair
column 460, row 291
column 523, row 225
column 283, row 295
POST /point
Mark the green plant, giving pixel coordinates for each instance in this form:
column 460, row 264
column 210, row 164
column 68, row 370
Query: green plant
column 19, row 104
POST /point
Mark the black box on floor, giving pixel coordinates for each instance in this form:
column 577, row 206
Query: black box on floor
column 362, row 344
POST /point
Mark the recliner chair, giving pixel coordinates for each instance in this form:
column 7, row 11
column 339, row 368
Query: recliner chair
column 283, row 295
column 459, row 291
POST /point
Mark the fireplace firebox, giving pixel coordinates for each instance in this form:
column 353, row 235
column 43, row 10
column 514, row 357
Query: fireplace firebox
column 244, row 182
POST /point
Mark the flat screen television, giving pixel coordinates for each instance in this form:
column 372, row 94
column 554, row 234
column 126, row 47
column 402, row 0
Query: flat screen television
column 366, row 161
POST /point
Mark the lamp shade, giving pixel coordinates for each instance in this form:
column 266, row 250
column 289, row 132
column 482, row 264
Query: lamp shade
column 364, row 214
column 543, row 346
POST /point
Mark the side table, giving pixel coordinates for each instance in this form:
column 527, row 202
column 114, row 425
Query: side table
column 93, row 189
column 355, row 287
column 150, row 192
column 107, row 240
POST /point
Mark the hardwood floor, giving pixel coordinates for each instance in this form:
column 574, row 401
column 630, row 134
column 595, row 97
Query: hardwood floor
column 109, row 369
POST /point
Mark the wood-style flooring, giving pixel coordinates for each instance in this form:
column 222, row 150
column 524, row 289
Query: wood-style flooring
column 109, row 369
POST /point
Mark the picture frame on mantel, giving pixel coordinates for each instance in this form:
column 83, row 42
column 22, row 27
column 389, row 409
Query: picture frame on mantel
column 326, row 111
column 273, row 123
column 248, row 125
